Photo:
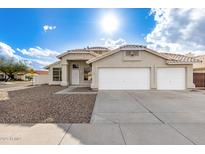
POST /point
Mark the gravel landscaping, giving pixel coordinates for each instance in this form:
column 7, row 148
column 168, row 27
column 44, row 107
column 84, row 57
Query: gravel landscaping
column 41, row 105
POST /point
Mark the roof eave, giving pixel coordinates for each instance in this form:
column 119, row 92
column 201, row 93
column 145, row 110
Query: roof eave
column 48, row 66
column 127, row 49
column 76, row 52
column 171, row 62
column 102, row 56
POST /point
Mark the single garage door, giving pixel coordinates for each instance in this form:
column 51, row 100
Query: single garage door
column 124, row 78
column 171, row 78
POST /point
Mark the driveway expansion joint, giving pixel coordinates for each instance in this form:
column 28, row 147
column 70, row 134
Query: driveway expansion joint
column 139, row 102
column 122, row 134
column 65, row 134
column 106, row 119
column 181, row 134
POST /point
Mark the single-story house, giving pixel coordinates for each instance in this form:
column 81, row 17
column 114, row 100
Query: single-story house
column 199, row 71
column 40, row 77
column 129, row 67
column 199, row 67
column 18, row 76
column 40, row 72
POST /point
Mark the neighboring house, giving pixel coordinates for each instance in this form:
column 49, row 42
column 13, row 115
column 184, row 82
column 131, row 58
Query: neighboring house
column 40, row 77
column 24, row 76
column 40, row 72
column 199, row 71
column 18, row 76
column 199, row 67
column 129, row 67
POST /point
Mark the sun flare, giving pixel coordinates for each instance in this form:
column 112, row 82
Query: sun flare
column 110, row 23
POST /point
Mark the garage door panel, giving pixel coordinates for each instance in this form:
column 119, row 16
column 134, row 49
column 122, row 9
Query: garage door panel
column 124, row 78
column 171, row 78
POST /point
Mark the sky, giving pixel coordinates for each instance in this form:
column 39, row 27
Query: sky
column 37, row 36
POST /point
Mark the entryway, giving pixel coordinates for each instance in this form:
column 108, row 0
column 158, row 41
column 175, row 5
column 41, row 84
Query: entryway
column 75, row 74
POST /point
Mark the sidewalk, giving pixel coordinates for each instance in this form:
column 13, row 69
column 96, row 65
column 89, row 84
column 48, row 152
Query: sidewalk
column 116, row 134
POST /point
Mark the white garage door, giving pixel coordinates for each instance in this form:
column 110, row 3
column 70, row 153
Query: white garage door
column 124, row 79
column 171, row 78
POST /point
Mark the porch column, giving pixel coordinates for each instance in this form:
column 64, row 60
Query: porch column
column 153, row 75
column 64, row 81
column 189, row 77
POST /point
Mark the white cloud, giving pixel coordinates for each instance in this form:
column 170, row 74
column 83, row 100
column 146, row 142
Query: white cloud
column 38, row 52
column 39, row 62
column 38, row 57
column 6, row 50
column 178, row 30
column 48, row 27
column 114, row 43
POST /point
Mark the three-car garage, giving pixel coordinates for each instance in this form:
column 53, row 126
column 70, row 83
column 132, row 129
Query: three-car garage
column 140, row 78
column 139, row 68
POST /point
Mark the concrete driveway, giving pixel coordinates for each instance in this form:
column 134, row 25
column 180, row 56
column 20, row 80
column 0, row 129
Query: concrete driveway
column 153, row 117
column 124, row 117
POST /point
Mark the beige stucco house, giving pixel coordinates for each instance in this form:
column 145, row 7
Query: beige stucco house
column 129, row 67
column 199, row 67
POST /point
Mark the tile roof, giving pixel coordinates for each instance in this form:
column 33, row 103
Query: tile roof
column 98, row 48
column 41, row 72
column 200, row 56
column 132, row 46
column 170, row 57
column 180, row 58
column 85, row 50
column 55, row 63
column 78, row 50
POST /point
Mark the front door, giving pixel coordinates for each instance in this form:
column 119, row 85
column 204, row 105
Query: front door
column 75, row 74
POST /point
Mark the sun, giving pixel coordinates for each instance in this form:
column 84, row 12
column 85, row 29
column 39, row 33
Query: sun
column 110, row 23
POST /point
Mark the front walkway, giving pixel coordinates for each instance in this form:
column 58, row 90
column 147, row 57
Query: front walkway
column 122, row 117
column 77, row 90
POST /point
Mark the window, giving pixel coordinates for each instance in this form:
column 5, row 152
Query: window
column 132, row 53
column 87, row 73
column 57, row 74
column 75, row 66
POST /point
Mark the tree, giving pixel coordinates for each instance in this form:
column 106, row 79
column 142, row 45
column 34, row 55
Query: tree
column 11, row 67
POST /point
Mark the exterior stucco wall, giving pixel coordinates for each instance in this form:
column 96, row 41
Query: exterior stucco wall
column 200, row 65
column 148, row 60
column 40, row 79
column 202, row 70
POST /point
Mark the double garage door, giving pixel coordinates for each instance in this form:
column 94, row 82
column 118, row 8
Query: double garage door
column 139, row 78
